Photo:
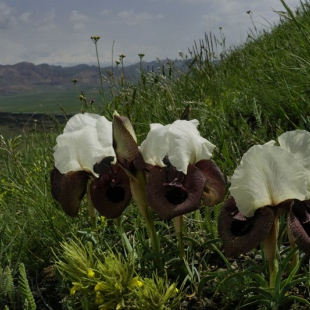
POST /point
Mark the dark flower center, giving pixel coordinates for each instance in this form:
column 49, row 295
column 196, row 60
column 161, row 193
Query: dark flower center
column 241, row 228
column 176, row 192
column 176, row 195
column 302, row 211
column 115, row 194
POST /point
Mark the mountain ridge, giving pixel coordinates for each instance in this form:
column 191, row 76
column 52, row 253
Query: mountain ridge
column 28, row 77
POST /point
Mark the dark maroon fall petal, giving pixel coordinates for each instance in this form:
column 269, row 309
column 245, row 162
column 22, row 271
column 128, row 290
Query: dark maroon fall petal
column 215, row 186
column 299, row 224
column 110, row 193
column 240, row 234
column 69, row 189
column 169, row 201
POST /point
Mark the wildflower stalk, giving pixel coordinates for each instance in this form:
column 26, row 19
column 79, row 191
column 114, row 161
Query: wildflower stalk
column 270, row 245
column 137, row 186
column 91, row 210
column 95, row 40
column 295, row 258
column 119, row 225
column 178, row 224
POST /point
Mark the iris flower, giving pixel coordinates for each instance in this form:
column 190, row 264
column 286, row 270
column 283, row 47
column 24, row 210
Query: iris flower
column 181, row 171
column 85, row 162
column 269, row 181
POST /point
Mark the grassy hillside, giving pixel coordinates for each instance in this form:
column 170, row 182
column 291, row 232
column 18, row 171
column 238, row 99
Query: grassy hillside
column 244, row 96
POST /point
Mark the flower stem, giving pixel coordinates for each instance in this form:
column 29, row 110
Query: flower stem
column 137, row 186
column 118, row 223
column 178, row 224
column 270, row 244
column 91, row 210
column 295, row 258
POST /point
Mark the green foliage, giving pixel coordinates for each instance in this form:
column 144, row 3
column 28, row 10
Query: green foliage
column 107, row 280
column 241, row 96
column 19, row 296
column 24, row 289
column 156, row 294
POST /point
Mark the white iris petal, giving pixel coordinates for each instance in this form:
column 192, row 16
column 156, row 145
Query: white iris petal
column 86, row 140
column 298, row 143
column 78, row 121
column 180, row 141
column 186, row 146
column 271, row 142
column 267, row 175
column 78, row 150
column 155, row 147
column 105, row 136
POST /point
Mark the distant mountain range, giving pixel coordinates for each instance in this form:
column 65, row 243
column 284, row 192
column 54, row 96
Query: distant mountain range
column 27, row 77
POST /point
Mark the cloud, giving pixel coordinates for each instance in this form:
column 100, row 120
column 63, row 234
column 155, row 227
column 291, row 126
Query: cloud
column 6, row 16
column 78, row 20
column 47, row 23
column 132, row 18
column 26, row 17
column 106, row 12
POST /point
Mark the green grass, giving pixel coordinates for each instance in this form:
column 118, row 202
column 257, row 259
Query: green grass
column 254, row 93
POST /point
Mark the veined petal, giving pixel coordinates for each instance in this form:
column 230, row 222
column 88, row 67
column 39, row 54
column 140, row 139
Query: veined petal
column 298, row 220
column 298, row 143
column 266, row 176
column 124, row 141
column 240, row 234
column 110, row 194
column 105, row 136
column 186, row 146
column 155, row 147
column 180, row 141
column 80, row 120
column 215, row 185
column 170, row 201
column 69, row 189
column 78, row 150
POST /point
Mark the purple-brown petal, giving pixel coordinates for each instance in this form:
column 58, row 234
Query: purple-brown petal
column 110, row 193
column 240, row 234
column 125, row 146
column 215, row 185
column 169, row 201
column 69, row 189
column 299, row 224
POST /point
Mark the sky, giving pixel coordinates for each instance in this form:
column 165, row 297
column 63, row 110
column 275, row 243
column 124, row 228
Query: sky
column 57, row 32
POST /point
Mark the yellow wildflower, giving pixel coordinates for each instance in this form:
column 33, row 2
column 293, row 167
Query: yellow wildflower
column 101, row 287
column 135, row 282
column 74, row 289
column 90, row 273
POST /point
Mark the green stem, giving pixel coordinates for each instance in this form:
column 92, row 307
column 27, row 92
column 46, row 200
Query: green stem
column 295, row 258
column 178, row 224
column 91, row 210
column 119, row 224
column 99, row 68
column 270, row 244
column 137, row 186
